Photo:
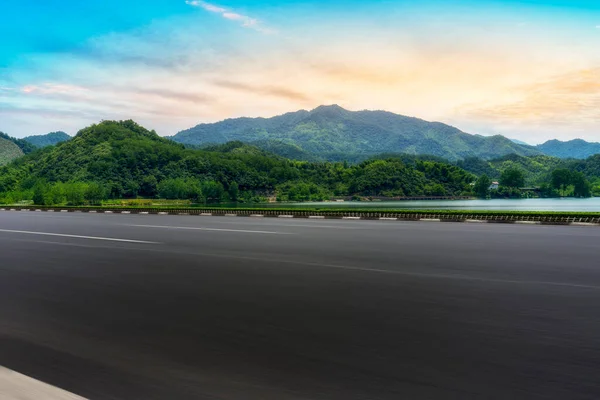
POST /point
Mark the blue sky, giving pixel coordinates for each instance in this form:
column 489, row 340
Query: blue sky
column 526, row 69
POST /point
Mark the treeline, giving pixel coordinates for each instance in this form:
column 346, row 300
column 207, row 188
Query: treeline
column 583, row 176
column 564, row 183
column 115, row 160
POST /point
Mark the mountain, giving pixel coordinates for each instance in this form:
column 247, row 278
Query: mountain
column 121, row 159
column 333, row 133
column 25, row 146
column 576, row 148
column 8, row 151
column 49, row 139
column 519, row 142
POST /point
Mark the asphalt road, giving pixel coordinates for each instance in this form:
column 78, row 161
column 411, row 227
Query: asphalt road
column 173, row 307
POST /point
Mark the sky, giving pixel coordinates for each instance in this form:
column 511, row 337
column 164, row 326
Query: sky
column 529, row 69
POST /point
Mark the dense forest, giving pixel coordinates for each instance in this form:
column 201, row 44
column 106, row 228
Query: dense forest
column 124, row 160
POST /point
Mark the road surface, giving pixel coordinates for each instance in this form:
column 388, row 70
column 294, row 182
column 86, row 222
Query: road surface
column 175, row 307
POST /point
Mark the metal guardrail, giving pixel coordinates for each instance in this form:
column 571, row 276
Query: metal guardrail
column 331, row 214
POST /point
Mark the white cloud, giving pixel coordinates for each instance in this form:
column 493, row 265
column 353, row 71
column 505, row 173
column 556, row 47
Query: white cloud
column 206, row 6
column 247, row 22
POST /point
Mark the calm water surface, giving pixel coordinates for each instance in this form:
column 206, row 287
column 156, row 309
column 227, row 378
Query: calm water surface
column 592, row 204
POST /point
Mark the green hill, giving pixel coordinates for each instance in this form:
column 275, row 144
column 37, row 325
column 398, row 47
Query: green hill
column 25, row 146
column 8, row 151
column 333, row 133
column 537, row 169
column 576, row 148
column 124, row 160
column 49, row 139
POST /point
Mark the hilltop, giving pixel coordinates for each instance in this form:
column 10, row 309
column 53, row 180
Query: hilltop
column 49, row 139
column 333, row 133
column 576, row 148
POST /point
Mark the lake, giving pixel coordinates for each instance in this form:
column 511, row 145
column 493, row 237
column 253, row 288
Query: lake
column 591, row 204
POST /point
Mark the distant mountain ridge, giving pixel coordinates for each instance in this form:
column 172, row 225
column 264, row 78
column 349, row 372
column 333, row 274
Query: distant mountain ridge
column 49, row 139
column 577, row 148
column 332, row 133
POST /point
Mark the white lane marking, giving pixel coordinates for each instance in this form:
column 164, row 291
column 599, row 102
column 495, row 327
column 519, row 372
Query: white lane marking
column 430, row 220
column 352, row 218
column 475, row 221
column 388, row 219
column 77, row 236
column 210, row 229
column 285, row 216
column 14, row 385
column 528, row 222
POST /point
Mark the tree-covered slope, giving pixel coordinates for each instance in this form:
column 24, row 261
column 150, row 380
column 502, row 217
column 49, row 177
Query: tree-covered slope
column 122, row 159
column 576, row 148
column 49, row 139
column 8, row 151
column 25, row 146
column 331, row 132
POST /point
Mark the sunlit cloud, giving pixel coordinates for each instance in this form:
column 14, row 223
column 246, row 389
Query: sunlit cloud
column 268, row 90
column 246, row 21
column 549, row 105
column 51, row 88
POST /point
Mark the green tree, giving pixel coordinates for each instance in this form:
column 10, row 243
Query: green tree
column 149, row 186
column 75, row 193
column 482, row 186
column 173, row 189
column 56, row 194
column 581, row 187
column 39, row 193
column 561, row 179
column 233, row 191
column 212, row 191
column 512, row 178
column 95, row 193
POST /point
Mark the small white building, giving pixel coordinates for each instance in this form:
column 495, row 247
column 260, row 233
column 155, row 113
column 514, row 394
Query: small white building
column 494, row 186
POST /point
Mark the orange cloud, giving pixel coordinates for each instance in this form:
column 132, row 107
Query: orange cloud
column 561, row 100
